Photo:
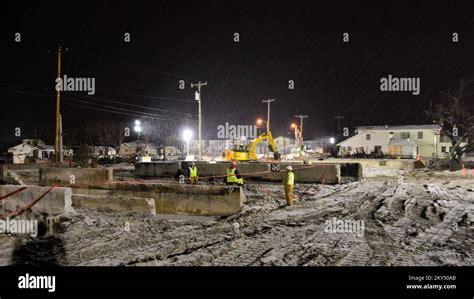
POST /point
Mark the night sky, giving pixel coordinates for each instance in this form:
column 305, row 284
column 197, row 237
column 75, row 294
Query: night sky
column 279, row 41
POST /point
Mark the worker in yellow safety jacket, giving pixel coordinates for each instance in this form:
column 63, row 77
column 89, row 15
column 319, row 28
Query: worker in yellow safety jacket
column 232, row 175
column 193, row 174
column 289, row 183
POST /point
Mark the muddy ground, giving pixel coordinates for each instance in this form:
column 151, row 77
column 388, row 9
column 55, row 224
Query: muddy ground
column 424, row 218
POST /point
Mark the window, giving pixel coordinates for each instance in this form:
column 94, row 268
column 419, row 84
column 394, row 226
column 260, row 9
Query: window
column 367, row 136
column 349, row 148
column 444, row 138
column 443, row 149
column 405, row 135
column 420, row 135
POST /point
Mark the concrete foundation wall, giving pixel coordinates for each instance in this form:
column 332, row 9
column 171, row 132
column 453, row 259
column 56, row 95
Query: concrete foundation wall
column 202, row 200
column 119, row 202
column 275, row 171
column 156, row 169
column 56, row 202
column 383, row 163
column 329, row 174
column 219, row 169
column 75, row 177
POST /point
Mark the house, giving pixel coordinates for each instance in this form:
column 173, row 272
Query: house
column 21, row 151
column 170, row 151
column 321, row 145
column 33, row 149
column 284, row 144
column 97, row 151
column 194, row 145
column 130, row 148
column 405, row 141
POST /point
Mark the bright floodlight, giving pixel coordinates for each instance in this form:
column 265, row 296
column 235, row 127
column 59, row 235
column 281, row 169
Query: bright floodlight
column 187, row 134
column 332, row 140
column 138, row 129
column 137, row 122
column 293, row 125
column 259, row 121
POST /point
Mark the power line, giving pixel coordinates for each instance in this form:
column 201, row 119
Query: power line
column 102, row 99
column 124, row 109
column 111, row 111
column 191, row 117
column 145, row 96
column 132, row 105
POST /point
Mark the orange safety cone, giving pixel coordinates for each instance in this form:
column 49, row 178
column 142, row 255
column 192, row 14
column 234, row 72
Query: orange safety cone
column 463, row 171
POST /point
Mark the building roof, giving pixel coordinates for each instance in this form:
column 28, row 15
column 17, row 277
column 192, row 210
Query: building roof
column 399, row 127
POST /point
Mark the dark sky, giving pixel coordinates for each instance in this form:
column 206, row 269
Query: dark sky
column 193, row 40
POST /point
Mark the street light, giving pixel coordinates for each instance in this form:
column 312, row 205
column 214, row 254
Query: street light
column 295, row 126
column 138, row 129
column 332, row 140
column 187, row 135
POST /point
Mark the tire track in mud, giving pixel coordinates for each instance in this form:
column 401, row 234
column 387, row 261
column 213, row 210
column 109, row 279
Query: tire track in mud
column 437, row 234
column 258, row 252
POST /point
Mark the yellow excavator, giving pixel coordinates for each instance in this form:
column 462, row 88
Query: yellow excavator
column 247, row 152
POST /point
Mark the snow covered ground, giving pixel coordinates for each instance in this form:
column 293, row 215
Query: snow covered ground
column 425, row 218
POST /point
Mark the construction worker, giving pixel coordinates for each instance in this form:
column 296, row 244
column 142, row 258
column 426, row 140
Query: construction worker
column 232, row 175
column 289, row 183
column 193, row 173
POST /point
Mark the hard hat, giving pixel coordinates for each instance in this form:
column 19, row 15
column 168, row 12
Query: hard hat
column 289, row 167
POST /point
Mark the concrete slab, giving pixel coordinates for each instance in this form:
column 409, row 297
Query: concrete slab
column 405, row 164
column 327, row 174
column 56, row 202
column 200, row 200
column 263, row 171
column 75, row 177
column 117, row 203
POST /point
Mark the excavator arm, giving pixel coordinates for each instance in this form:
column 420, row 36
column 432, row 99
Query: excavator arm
column 271, row 145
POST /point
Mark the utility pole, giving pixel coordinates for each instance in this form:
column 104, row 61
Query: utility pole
column 301, row 117
column 61, row 138
column 338, row 117
column 57, row 151
column 268, row 101
column 198, row 98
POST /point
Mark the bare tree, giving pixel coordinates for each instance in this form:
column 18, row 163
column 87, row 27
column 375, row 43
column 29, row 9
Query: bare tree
column 91, row 134
column 456, row 119
column 72, row 137
column 105, row 133
column 155, row 130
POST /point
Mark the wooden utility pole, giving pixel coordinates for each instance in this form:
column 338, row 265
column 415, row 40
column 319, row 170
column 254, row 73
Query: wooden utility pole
column 301, row 117
column 57, row 151
column 198, row 98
